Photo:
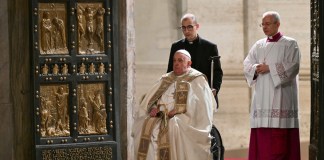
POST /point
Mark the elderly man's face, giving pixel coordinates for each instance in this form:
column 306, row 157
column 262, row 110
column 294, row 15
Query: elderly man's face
column 181, row 63
column 269, row 25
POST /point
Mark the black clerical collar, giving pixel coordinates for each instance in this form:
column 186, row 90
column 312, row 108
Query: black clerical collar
column 194, row 41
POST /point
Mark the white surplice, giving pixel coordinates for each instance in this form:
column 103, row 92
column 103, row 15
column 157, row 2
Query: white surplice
column 189, row 132
column 275, row 97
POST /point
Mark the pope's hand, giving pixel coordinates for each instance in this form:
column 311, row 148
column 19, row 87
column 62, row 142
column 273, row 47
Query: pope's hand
column 214, row 91
column 172, row 113
column 154, row 112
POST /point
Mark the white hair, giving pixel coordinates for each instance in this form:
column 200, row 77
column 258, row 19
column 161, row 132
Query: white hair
column 274, row 14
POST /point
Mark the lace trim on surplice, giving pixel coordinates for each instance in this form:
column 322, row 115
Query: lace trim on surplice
column 275, row 113
column 281, row 71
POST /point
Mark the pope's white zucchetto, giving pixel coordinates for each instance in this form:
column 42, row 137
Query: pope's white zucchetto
column 185, row 52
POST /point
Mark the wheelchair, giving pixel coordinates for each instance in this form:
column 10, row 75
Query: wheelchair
column 217, row 149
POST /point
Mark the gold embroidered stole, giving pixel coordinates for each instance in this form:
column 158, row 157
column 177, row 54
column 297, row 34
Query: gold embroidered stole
column 181, row 95
column 145, row 140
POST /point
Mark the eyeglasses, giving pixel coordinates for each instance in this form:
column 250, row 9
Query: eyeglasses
column 266, row 24
column 188, row 28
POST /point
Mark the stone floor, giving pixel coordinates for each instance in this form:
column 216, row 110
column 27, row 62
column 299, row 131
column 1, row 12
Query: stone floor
column 232, row 119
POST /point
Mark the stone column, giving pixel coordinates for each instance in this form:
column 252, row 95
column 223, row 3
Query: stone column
column 127, row 76
column 130, row 75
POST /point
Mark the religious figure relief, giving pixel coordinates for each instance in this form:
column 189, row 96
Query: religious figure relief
column 81, row 31
column 46, row 116
column 55, row 69
column 89, row 14
column 59, row 33
column 83, row 115
column 92, row 68
column 100, row 29
column 54, row 118
column 62, row 123
column 90, row 31
column 101, row 69
column 92, row 110
column 98, row 110
column 46, row 33
column 52, row 28
column 45, row 69
column 65, row 69
column 82, row 69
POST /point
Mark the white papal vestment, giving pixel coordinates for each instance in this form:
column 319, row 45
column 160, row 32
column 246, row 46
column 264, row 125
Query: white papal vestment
column 188, row 132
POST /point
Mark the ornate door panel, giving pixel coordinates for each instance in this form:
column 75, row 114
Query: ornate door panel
column 74, row 79
column 316, row 150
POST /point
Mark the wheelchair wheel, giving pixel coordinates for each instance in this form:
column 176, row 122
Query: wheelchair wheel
column 217, row 148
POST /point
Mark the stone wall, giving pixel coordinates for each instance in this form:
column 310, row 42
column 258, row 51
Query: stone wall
column 130, row 76
column 232, row 25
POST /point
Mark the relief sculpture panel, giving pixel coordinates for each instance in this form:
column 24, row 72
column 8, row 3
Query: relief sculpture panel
column 91, row 69
column 73, row 79
column 54, row 69
column 92, row 109
column 52, row 24
column 90, row 18
column 54, row 112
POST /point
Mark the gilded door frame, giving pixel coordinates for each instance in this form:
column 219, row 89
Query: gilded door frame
column 75, row 78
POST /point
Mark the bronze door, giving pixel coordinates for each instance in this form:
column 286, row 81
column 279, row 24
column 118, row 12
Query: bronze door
column 75, row 63
column 316, row 147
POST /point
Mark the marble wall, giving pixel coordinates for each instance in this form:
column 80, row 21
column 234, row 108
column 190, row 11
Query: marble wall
column 232, row 25
column 229, row 24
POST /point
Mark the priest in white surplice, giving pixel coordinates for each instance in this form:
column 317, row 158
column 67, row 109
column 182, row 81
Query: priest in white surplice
column 272, row 68
column 175, row 116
